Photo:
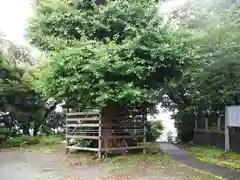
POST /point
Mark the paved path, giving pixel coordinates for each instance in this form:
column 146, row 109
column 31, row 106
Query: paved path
column 183, row 157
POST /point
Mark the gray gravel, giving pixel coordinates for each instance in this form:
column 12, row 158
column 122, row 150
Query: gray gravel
column 27, row 165
column 21, row 164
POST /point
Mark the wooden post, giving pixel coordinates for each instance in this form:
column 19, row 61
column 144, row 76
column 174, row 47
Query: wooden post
column 100, row 137
column 144, row 116
column 227, row 141
column 196, row 124
column 67, row 139
column 219, row 123
column 206, row 123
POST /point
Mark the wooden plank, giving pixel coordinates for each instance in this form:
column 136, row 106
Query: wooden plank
column 196, row 123
column 100, row 140
column 123, row 126
column 227, row 138
column 82, row 125
column 219, row 123
column 121, row 137
column 82, row 137
column 144, row 118
column 83, row 119
column 123, row 148
column 132, row 122
column 82, row 148
column 67, row 139
column 206, row 123
column 82, row 113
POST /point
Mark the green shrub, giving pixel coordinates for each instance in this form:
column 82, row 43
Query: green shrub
column 154, row 130
column 3, row 133
column 34, row 140
column 22, row 140
column 50, row 140
column 84, row 143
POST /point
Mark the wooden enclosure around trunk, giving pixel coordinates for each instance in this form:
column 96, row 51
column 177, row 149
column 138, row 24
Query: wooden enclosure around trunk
column 114, row 129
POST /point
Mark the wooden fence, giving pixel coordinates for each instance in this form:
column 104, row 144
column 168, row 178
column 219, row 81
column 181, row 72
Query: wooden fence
column 107, row 131
column 214, row 136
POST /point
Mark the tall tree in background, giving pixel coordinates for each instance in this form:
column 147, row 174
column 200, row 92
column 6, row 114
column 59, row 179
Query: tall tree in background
column 213, row 82
column 16, row 93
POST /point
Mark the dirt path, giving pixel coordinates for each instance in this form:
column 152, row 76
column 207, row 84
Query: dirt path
column 44, row 164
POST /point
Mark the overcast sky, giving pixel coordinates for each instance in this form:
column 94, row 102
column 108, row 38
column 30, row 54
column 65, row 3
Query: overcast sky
column 13, row 19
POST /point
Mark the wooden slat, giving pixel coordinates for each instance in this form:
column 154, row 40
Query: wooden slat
column 82, row 148
column 82, row 125
column 99, row 139
column 120, row 137
column 82, row 113
column 82, row 137
column 123, row 148
column 144, row 133
column 124, row 125
column 83, row 119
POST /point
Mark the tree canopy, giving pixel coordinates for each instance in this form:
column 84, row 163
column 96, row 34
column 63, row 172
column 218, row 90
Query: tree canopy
column 114, row 51
column 107, row 51
column 17, row 95
column 212, row 82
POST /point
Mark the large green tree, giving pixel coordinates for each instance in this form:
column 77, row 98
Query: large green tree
column 107, row 51
column 17, row 95
column 212, row 82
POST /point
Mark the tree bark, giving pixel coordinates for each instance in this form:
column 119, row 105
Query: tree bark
column 35, row 130
column 26, row 130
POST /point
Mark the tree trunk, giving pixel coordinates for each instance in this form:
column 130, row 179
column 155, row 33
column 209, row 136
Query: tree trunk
column 26, row 130
column 35, row 130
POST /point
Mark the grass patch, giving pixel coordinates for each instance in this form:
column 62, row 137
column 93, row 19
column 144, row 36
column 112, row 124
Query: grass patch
column 215, row 156
column 153, row 164
column 50, row 140
column 133, row 160
column 129, row 162
column 22, row 141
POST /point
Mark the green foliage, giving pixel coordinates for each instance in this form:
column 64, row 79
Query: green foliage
column 22, row 141
column 17, row 95
column 215, row 156
column 60, row 24
column 115, row 52
column 3, row 133
column 84, row 143
column 50, row 140
column 212, row 82
column 119, row 51
column 154, row 130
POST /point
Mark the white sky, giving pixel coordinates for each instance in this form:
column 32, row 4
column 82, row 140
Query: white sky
column 13, row 19
column 13, row 22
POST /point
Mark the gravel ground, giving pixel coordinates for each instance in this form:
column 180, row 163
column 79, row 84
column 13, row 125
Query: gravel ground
column 44, row 164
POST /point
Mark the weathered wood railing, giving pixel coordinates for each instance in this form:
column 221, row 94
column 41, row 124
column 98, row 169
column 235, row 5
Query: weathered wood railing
column 120, row 132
